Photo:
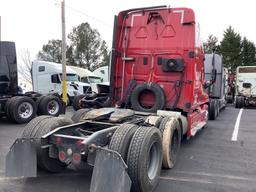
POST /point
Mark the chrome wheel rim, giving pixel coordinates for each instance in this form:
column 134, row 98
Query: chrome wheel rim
column 25, row 110
column 53, row 107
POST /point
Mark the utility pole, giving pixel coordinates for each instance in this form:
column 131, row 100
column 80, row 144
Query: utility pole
column 64, row 74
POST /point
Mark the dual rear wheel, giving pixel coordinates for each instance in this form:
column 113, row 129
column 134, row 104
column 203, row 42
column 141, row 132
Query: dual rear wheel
column 141, row 149
column 38, row 127
column 22, row 109
column 147, row 149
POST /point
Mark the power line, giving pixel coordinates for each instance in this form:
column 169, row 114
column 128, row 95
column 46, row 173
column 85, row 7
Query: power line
column 93, row 18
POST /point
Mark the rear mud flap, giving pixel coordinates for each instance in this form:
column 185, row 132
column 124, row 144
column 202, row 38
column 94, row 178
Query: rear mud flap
column 109, row 173
column 21, row 160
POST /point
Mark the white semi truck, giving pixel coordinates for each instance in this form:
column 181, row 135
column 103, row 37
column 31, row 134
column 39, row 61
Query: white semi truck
column 102, row 72
column 245, row 86
column 47, row 79
column 87, row 76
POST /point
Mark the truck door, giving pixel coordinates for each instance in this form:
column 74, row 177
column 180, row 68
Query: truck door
column 55, row 83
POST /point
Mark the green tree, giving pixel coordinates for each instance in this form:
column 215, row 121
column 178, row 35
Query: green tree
column 51, row 51
column 248, row 52
column 105, row 55
column 230, row 47
column 89, row 51
column 85, row 49
column 211, row 44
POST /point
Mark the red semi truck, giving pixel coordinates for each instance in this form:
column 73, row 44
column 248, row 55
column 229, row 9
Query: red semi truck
column 157, row 98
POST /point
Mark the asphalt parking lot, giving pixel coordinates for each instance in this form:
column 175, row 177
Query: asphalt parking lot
column 210, row 161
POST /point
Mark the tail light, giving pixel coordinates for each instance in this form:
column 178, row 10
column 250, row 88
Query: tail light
column 76, row 158
column 58, row 140
column 62, row 156
column 79, row 142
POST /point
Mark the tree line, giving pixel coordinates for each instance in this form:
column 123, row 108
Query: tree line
column 236, row 50
column 85, row 49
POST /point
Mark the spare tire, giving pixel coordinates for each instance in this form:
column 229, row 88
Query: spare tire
column 152, row 88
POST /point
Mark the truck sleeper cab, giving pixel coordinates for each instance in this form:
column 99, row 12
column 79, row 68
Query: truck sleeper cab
column 157, row 63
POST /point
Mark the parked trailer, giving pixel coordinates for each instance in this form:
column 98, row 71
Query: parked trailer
column 18, row 107
column 216, row 75
column 157, row 98
column 245, row 86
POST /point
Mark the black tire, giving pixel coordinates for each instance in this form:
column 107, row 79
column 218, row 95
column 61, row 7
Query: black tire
column 78, row 115
column 121, row 139
column 144, row 159
column 236, row 102
column 229, row 99
column 76, row 102
column 50, row 105
column 38, row 101
column 240, row 102
column 7, row 108
column 44, row 161
column 17, row 107
column 155, row 89
column 171, row 142
column 163, row 123
column 212, row 109
column 32, row 127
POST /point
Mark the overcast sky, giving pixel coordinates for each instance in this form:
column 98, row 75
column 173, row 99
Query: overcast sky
column 31, row 23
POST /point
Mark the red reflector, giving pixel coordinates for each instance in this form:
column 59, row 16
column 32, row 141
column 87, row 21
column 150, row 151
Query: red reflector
column 62, row 156
column 79, row 142
column 76, row 158
column 58, row 140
